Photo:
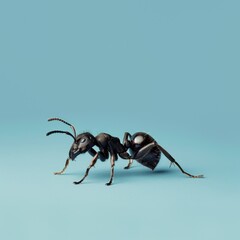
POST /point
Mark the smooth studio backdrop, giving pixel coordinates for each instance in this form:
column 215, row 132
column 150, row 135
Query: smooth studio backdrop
column 169, row 68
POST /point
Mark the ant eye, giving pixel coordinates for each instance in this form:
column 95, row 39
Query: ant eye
column 82, row 140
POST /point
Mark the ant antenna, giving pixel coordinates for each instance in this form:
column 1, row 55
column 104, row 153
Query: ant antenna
column 57, row 131
column 72, row 127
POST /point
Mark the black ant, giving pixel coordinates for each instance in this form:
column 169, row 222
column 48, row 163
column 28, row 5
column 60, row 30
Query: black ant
column 142, row 146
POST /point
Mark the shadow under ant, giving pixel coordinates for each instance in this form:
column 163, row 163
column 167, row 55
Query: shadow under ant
column 102, row 174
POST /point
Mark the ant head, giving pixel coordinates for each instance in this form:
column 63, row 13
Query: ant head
column 82, row 143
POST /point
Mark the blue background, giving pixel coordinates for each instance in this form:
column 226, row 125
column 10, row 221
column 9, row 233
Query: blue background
column 169, row 68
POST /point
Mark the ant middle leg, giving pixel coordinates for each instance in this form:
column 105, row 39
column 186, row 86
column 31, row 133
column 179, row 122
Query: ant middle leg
column 112, row 160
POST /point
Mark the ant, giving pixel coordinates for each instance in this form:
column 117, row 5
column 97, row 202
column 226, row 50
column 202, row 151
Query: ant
column 143, row 148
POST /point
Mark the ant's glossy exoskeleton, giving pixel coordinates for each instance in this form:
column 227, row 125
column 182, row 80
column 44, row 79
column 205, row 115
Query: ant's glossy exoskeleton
column 142, row 146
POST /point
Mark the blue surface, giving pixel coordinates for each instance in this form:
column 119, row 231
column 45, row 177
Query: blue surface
column 169, row 68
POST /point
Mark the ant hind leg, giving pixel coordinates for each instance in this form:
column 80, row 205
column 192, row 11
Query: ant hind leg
column 129, row 164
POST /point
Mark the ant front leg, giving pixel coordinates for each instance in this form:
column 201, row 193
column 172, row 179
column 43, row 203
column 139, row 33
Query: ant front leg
column 94, row 160
column 112, row 160
column 66, row 164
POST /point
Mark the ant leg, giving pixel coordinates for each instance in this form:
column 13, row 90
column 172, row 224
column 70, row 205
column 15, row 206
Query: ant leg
column 94, row 160
column 112, row 160
column 192, row 176
column 66, row 164
column 125, row 155
column 173, row 161
column 126, row 142
column 129, row 164
column 144, row 151
column 140, row 154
